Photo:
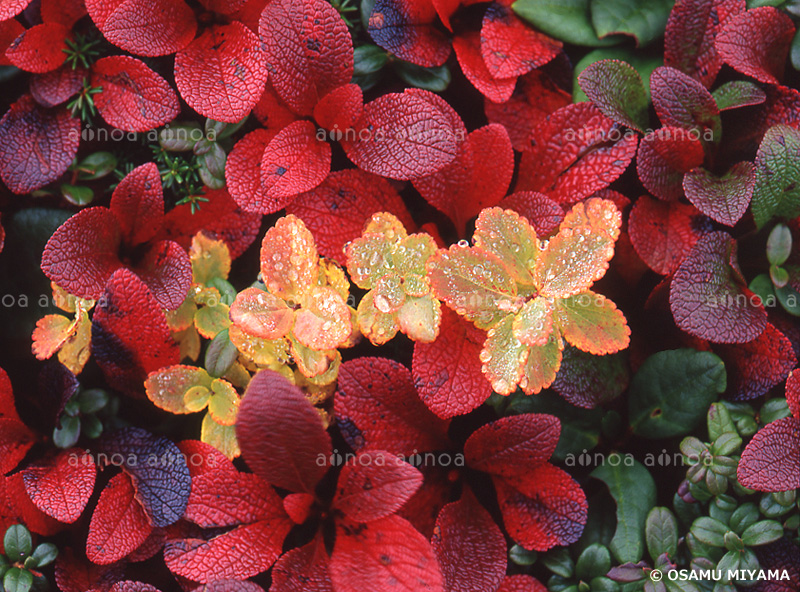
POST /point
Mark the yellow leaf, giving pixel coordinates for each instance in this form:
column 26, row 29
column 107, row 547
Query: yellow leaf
column 330, row 274
column 596, row 213
column 210, row 320
column 76, row 350
column 388, row 294
column 289, row 259
column 196, row 399
column 474, row 283
column 224, row 403
column 210, row 259
column 503, row 357
column 167, row 387
column 419, row 318
column 377, row 326
column 509, row 236
column 50, row 334
column 592, row 323
column 189, row 342
column 204, row 296
column 309, row 361
column 368, row 259
column 237, row 375
column 386, row 224
column 221, row 437
column 534, row 322
column 413, row 252
column 67, row 302
column 323, row 321
column 542, row 365
column 266, row 353
column 182, row 317
column 322, row 385
column 416, row 285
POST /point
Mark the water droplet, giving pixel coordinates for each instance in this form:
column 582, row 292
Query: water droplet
column 382, row 303
column 463, row 243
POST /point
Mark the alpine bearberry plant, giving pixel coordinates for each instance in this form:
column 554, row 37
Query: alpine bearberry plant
column 399, row 295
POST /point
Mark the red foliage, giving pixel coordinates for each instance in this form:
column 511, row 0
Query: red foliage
column 40, row 48
column 405, row 28
column 61, row 486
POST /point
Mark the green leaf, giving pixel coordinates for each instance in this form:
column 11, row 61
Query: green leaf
column 509, row 236
column 17, row 542
column 794, row 51
column 220, row 355
column 435, row 79
column 777, row 189
column 789, row 299
column 661, row 533
column 672, row 390
column 634, row 490
column 779, row 244
column 763, row 288
column 773, row 410
column 521, row 556
column 67, row 434
column 645, row 20
column 729, row 562
column 92, row 400
column 45, row 554
column 180, row 137
column 762, row 533
column 616, row 88
column 17, row 580
column 738, row 93
column 212, row 167
column 726, row 444
column 743, row 517
column 368, row 59
column 709, row 531
column 567, row 20
column 719, row 421
column 77, row 194
column 559, row 562
column 96, row 166
column 595, row 561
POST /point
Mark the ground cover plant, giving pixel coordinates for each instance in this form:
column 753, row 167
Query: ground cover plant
column 399, row 295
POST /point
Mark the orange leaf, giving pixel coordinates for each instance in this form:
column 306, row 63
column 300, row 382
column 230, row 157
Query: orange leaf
column 592, row 323
column 289, row 258
column 260, row 314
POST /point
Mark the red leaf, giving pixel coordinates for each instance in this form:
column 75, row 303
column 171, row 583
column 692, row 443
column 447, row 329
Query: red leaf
column 543, row 213
column 587, row 381
column 294, row 161
column 663, row 234
column 53, row 88
column 465, row 532
column 150, row 547
column 15, row 442
column 26, row 511
column 724, row 199
column 239, row 554
column 709, row 298
column 223, row 6
column 119, row 524
column 780, row 555
column 138, row 204
column 336, row 211
column 437, row 490
column 536, row 96
column 281, row 434
column 134, row 98
column 476, row 179
column 130, row 336
column 61, row 486
column 521, row 583
column 272, row 112
column 755, row 367
column 229, row 498
column 78, row 575
column 513, row 445
column 510, row 47
column 689, row 38
column 681, row 101
column 144, row 27
column 298, row 506
column 131, row 586
column 67, row 13
column 167, row 272
column 230, row 586
column 387, row 553
column 82, row 253
column 377, row 406
column 40, row 48
column 158, row 469
column 303, row 569
column 308, row 50
column 793, row 393
column 756, row 43
column 220, row 215
column 468, row 52
column 243, row 174
column 38, row 145
column 8, row 409
column 447, row 372
column 340, row 109
column 9, row 30
column 11, row 8
column 405, row 28
column 405, row 135
column 664, row 156
column 542, row 508
column 202, row 458
column 574, row 153
column 222, row 73
column 374, row 485
column 771, row 460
